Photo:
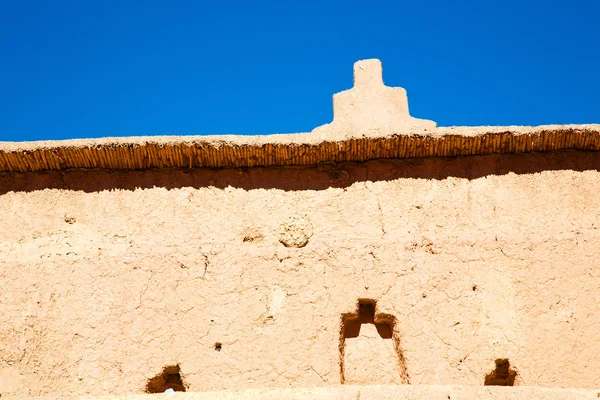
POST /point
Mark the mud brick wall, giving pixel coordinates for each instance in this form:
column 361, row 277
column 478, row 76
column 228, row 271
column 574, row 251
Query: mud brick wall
column 119, row 281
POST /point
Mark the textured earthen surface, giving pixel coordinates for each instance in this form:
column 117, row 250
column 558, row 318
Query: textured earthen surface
column 375, row 392
column 108, row 277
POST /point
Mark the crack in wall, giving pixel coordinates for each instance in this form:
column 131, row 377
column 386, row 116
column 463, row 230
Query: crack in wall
column 381, row 218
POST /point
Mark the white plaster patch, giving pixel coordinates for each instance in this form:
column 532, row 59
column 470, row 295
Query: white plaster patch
column 276, row 300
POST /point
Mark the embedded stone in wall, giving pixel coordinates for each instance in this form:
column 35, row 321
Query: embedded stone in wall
column 296, row 231
column 252, row 235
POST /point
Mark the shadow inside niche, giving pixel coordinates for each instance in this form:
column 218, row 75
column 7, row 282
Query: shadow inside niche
column 385, row 326
column 366, row 315
column 316, row 177
column 169, row 378
column 502, row 375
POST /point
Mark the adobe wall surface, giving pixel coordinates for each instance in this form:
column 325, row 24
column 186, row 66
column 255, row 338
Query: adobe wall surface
column 109, row 276
column 375, row 392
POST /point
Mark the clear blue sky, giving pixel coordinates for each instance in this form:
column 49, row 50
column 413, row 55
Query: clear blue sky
column 95, row 68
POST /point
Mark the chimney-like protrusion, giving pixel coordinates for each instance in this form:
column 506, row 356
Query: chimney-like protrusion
column 368, row 73
column 370, row 107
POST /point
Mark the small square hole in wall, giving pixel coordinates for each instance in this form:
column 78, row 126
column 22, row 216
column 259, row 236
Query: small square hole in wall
column 218, row 346
column 169, row 378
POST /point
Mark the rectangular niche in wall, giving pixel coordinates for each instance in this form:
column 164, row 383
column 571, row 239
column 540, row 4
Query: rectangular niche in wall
column 370, row 352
